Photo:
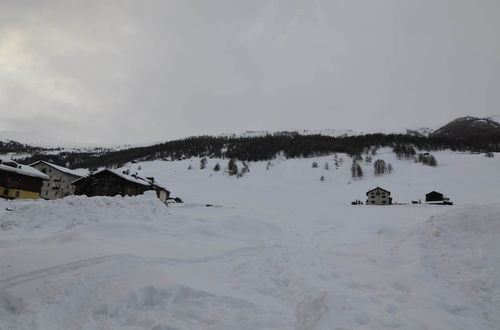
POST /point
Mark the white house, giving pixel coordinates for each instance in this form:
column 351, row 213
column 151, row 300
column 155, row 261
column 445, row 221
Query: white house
column 378, row 196
column 59, row 185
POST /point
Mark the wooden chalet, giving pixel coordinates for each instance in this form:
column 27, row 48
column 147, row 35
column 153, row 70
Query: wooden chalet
column 111, row 183
column 435, row 197
column 20, row 181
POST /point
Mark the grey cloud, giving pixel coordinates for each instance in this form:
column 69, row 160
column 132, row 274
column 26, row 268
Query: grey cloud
column 133, row 71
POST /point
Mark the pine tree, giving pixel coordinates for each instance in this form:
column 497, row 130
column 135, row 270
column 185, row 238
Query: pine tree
column 359, row 171
column 389, row 168
column 203, row 163
column 232, row 168
column 379, row 167
column 217, row 167
column 326, row 166
column 314, row 164
column 245, row 169
column 354, row 170
column 322, row 178
column 432, row 161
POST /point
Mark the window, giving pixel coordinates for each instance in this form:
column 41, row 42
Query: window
column 384, row 202
column 44, row 170
column 48, row 184
column 17, row 193
column 46, row 193
column 373, row 202
column 6, row 192
column 50, row 170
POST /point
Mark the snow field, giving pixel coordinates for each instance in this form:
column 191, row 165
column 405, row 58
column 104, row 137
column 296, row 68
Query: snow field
column 281, row 250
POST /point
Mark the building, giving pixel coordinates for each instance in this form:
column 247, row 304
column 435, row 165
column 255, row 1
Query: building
column 20, row 181
column 162, row 192
column 435, row 197
column 111, row 183
column 59, row 185
column 378, row 196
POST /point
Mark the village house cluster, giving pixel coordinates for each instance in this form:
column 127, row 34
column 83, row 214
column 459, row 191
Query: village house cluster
column 380, row 196
column 49, row 181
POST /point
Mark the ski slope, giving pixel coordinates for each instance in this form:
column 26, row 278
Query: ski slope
column 278, row 249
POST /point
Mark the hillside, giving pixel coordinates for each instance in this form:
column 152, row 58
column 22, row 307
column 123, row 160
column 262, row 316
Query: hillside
column 267, row 147
column 466, row 127
column 279, row 249
column 462, row 134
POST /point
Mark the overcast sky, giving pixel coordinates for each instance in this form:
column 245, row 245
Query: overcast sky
column 115, row 72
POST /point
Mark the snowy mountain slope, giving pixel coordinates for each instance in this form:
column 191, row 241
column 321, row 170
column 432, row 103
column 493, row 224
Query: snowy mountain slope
column 280, row 250
column 326, row 132
column 469, row 126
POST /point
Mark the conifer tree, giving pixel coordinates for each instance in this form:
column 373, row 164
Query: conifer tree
column 232, row 167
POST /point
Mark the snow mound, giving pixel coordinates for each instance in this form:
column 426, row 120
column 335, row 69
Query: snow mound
column 452, row 279
column 78, row 210
column 178, row 307
column 461, row 247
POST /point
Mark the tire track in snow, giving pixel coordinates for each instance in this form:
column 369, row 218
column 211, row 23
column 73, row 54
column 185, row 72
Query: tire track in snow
column 57, row 270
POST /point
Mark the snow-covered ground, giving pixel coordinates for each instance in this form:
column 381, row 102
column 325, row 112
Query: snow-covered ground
column 279, row 249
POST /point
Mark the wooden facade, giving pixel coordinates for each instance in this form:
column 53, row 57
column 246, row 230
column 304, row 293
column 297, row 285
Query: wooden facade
column 110, row 183
column 18, row 186
column 434, row 196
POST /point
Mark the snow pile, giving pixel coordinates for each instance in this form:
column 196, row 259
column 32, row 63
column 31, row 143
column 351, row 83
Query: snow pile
column 462, row 250
column 73, row 211
column 450, row 280
column 179, row 307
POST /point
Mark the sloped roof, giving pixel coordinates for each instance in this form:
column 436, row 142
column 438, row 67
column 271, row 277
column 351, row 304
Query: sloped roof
column 378, row 188
column 434, row 193
column 23, row 170
column 59, row 168
column 137, row 180
column 130, row 178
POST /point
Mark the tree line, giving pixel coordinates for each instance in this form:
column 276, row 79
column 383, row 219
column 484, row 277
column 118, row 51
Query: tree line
column 290, row 145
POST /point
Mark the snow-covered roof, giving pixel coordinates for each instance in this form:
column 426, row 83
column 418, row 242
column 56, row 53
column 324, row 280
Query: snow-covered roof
column 134, row 179
column 130, row 178
column 23, row 170
column 369, row 191
column 59, row 168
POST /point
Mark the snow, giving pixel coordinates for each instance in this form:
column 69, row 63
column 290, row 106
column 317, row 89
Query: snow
column 281, row 250
column 62, row 169
column 128, row 177
column 24, row 170
column 325, row 132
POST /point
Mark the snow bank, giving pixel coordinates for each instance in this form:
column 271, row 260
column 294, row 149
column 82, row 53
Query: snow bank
column 178, row 307
column 461, row 250
column 78, row 210
column 452, row 282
